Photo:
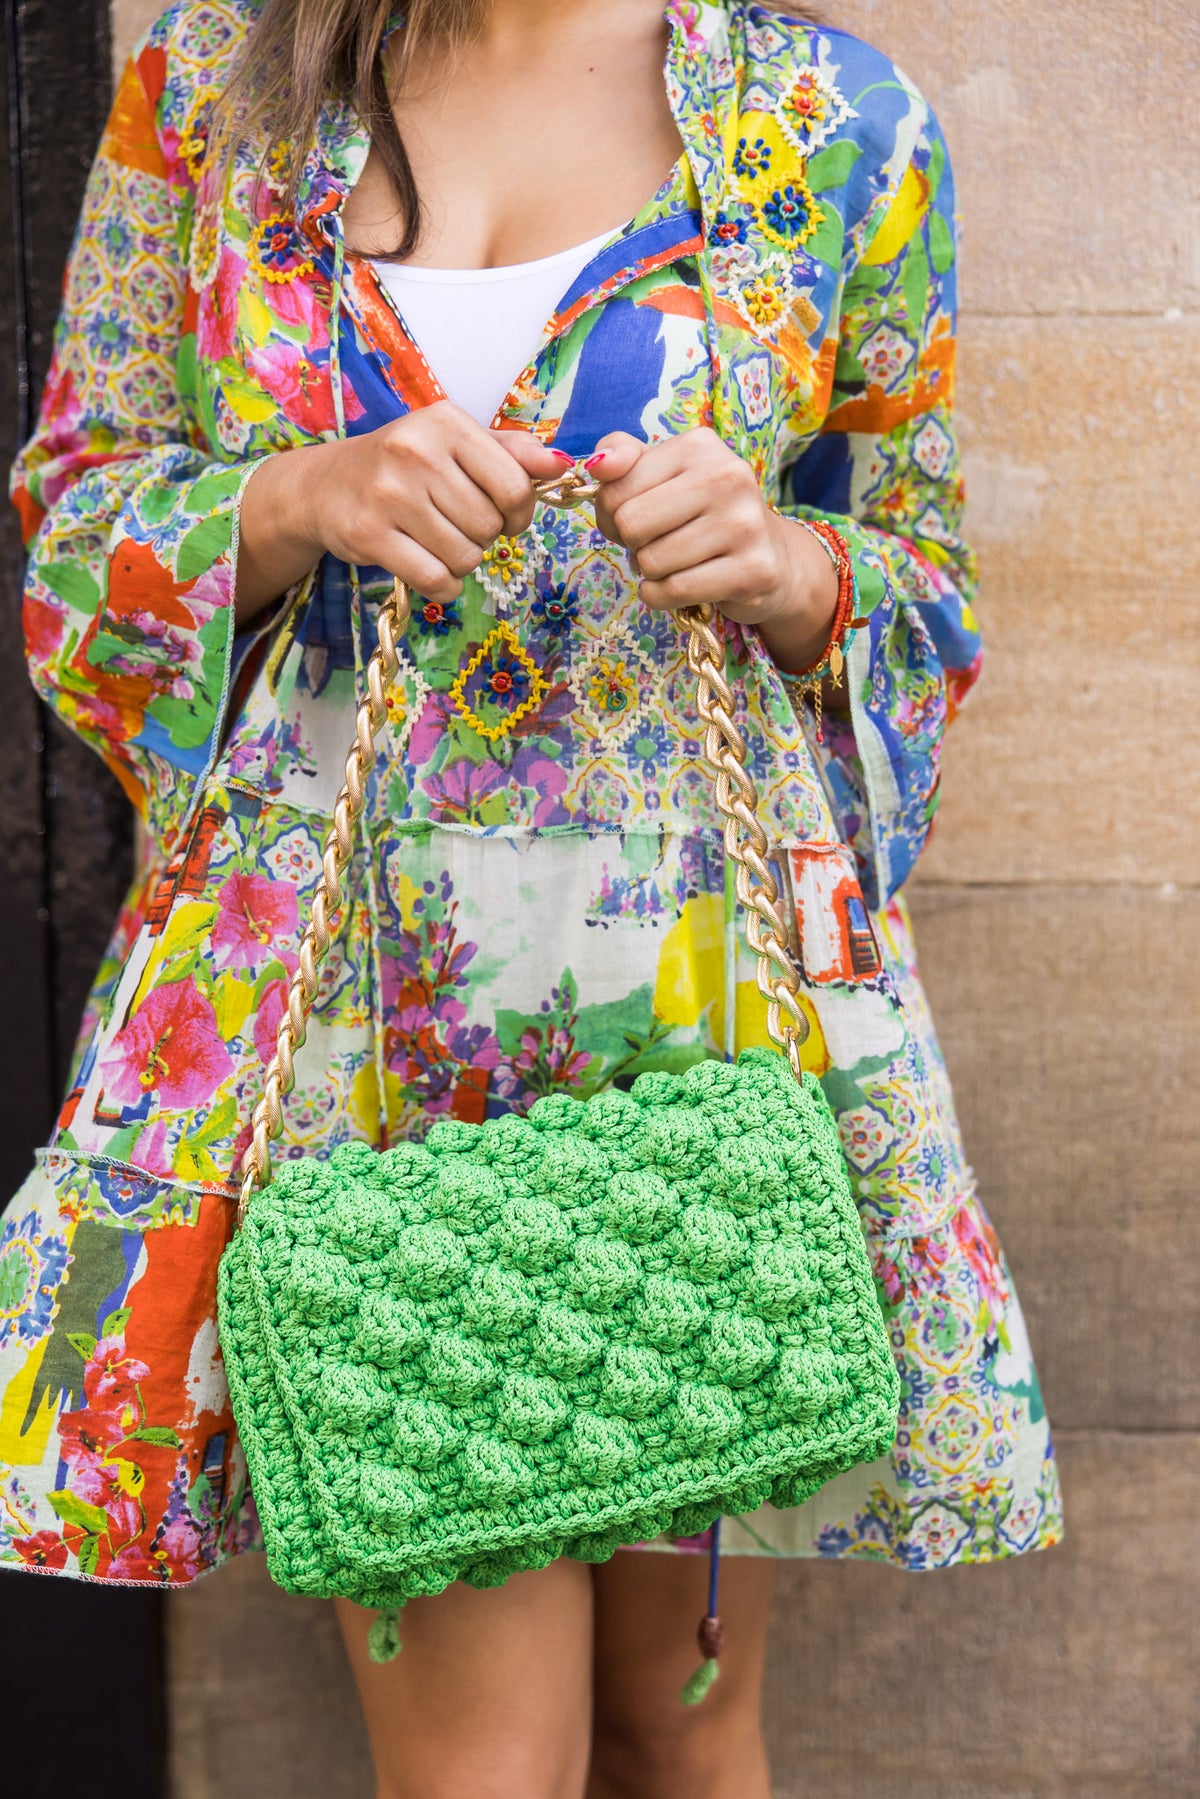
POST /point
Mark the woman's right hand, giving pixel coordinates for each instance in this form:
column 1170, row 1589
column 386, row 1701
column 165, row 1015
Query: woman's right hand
column 422, row 497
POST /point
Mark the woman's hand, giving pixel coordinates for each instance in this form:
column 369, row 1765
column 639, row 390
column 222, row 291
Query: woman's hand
column 693, row 515
column 421, row 497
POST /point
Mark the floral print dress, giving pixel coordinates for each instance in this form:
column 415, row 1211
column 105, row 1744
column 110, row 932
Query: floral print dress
column 539, row 902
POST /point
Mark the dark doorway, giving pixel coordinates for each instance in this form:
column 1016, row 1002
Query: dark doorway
column 81, row 1690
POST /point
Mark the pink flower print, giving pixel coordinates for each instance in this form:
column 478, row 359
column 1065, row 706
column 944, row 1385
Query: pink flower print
column 171, row 1047
column 216, row 322
column 979, row 1245
column 85, row 1438
column 688, row 15
column 254, row 911
column 111, row 1377
column 302, row 387
column 113, row 1486
column 174, row 1554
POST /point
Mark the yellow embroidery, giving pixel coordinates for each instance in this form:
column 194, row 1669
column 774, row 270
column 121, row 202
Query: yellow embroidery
column 502, row 640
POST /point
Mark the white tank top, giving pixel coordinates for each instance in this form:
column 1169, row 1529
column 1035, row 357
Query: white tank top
column 477, row 328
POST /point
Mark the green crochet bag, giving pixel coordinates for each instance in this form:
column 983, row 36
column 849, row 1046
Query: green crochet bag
column 553, row 1335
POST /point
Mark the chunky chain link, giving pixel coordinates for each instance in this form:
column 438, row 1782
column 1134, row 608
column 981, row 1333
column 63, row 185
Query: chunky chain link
column 737, row 797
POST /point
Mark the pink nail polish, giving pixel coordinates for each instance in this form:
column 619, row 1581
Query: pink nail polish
column 562, row 455
column 597, row 458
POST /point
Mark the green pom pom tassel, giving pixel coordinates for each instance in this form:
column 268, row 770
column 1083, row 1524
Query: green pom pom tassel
column 383, row 1638
column 700, row 1681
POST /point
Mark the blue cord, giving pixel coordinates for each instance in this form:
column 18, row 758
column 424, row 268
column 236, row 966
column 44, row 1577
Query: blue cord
column 714, row 1568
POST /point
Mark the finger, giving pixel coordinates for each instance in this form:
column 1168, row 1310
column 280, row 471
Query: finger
column 536, row 462
column 466, row 504
column 658, row 511
column 501, row 474
column 613, row 463
column 699, row 539
column 445, row 540
column 723, row 581
column 694, row 456
column 534, row 456
column 402, row 555
column 614, row 457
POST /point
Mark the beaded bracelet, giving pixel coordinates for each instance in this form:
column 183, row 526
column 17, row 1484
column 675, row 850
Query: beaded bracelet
column 832, row 660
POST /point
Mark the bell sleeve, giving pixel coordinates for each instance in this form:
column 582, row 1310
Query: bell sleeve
column 130, row 520
column 884, row 471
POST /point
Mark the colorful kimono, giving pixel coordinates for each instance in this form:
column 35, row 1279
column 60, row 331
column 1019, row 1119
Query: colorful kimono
column 538, row 903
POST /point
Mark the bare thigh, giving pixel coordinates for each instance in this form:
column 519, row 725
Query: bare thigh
column 490, row 1698
column 647, row 1745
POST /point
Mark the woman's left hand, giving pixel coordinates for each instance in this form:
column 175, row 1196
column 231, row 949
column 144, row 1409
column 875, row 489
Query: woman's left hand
column 693, row 516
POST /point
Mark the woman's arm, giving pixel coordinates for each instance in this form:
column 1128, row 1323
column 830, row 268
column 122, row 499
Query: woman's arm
column 130, row 520
column 885, row 473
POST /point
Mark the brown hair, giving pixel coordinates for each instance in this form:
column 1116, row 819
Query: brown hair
column 299, row 53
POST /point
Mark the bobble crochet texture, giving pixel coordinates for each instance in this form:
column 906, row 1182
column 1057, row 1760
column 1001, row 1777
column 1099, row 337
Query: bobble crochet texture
column 553, row 1335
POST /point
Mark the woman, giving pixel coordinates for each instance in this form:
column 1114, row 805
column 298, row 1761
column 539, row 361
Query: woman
column 316, row 246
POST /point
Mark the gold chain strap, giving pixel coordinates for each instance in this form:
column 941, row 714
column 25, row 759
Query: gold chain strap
column 737, row 797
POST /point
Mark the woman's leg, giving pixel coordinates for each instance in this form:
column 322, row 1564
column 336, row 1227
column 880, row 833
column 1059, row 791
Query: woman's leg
column 490, row 1698
column 647, row 1745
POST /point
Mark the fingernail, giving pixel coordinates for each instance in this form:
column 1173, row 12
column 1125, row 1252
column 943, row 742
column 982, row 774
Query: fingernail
column 562, row 455
column 593, row 460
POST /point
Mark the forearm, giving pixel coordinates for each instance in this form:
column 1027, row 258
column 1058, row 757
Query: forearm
column 796, row 636
column 278, row 540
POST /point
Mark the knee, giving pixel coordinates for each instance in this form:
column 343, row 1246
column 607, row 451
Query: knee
column 503, row 1774
column 675, row 1751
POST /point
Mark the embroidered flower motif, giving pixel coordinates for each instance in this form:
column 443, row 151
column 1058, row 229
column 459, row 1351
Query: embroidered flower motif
column 727, row 229
column 790, row 216
column 31, row 1269
column 404, row 707
column 504, row 560
column 193, row 139
column 811, row 110
column 766, row 300
column 504, row 569
column 752, row 159
column 612, row 686
column 436, row 618
column 204, row 250
column 555, row 607
column 277, row 250
column 499, row 686
column 279, row 165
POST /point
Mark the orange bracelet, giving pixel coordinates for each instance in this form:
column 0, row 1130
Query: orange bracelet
column 832, row 659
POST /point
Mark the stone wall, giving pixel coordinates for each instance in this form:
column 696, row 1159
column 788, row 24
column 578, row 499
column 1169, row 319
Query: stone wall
column 1058, row 912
